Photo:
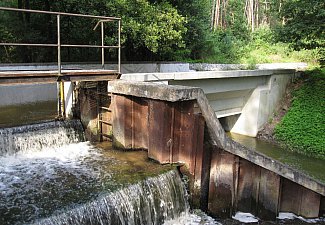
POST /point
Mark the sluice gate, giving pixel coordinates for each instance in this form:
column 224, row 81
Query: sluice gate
column 176, row 124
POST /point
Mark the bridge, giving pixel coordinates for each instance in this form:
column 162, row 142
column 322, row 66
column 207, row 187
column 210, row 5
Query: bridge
column 59, row 74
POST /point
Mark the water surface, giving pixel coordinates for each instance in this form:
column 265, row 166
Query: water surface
column 308, row 165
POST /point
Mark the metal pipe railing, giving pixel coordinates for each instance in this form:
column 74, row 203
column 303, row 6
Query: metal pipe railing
column 59, row 45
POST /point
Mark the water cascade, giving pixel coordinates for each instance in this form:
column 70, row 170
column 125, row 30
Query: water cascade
column 50, row 175
column 151, row 201
column 39, row 136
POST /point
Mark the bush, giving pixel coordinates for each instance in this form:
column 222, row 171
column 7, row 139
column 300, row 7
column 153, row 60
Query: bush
column 303, row 127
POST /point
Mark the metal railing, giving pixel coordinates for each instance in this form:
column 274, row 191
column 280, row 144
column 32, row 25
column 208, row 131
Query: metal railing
column 59, row 45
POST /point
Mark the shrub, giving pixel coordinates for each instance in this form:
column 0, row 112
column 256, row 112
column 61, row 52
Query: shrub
column 303, row 127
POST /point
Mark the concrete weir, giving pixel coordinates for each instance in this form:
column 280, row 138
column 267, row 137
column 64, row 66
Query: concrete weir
column 176, row 124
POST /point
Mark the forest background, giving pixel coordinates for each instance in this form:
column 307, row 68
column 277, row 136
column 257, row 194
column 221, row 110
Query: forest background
column 213, row 31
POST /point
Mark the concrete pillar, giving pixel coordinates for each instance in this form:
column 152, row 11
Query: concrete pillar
column 68, row 98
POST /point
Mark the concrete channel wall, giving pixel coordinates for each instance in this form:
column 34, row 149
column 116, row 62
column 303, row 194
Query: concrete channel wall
column 177, row 124
column 245, row 99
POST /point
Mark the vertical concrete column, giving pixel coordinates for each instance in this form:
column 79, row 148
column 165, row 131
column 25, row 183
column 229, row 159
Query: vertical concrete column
column 68, row 98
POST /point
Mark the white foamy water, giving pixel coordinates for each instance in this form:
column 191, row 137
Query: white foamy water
column 245, row 217
column 292, row 216
column 39, row 136
column 48, row 176
column 24, row 170
column 196, row 217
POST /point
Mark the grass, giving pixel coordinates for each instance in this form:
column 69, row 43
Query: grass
column 302, row 129
column 260, row 47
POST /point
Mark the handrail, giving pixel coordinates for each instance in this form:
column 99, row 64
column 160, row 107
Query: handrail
column 59, row 45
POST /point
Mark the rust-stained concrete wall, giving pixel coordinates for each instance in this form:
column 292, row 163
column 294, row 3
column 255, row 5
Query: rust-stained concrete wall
column 177, row 124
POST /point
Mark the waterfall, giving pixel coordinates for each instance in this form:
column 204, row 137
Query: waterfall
column 151, row 201
column 50, row 176
column 39, row 136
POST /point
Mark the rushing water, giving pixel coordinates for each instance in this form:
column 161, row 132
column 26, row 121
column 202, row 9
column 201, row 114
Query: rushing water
column 49, row 175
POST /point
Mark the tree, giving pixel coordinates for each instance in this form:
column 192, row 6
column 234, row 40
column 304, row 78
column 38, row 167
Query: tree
column 150, row 30
column 304, row 23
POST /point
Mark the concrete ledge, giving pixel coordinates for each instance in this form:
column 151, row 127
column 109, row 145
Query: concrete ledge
column 153, row 91
column 202, row 75
column 217, row 134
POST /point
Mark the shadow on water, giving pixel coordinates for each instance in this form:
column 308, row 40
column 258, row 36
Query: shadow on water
column 310, row 166
column 28, row 113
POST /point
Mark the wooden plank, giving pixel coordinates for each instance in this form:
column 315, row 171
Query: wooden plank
column 269, row 194
column 160, row 124
column 299, row 200
column 290, row 197
column 140, row 123
column 185, row 133
column 122, row 121
column 322, row 207
column 221, row 184
column 248, row 187
column 199, row 153
column 204, row 161
column 310, row 203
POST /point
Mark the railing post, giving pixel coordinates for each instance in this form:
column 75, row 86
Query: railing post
column 103, row 50
column 61, row 101
column 119, row 46
column 59, row 44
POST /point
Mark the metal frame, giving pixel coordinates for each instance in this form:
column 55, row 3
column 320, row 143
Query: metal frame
column 59, row 45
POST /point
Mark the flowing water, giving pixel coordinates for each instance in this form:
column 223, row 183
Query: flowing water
column 14, row 115
column 310, row 166
column 50, row 175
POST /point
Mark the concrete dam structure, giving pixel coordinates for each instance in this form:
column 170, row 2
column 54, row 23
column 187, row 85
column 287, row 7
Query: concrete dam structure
column 184, row 125
column 176, row 124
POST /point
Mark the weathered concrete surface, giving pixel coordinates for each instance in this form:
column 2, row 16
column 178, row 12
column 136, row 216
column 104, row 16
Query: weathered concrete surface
column 153, row 91
column 217, row 134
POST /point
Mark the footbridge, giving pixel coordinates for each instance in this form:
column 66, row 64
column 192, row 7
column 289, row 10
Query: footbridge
column 65, row 78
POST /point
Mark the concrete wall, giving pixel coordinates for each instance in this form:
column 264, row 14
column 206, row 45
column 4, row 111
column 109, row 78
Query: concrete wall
column 20, row 94
column 252, row 94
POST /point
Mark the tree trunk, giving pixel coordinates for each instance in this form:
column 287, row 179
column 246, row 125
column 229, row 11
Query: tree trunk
column 20, row 6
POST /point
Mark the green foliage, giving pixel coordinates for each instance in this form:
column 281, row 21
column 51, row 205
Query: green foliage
column 303, row 127
column 304, row 25
column 171, row 30
column 260, row 46
column 150, row 31
column 197, row 14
